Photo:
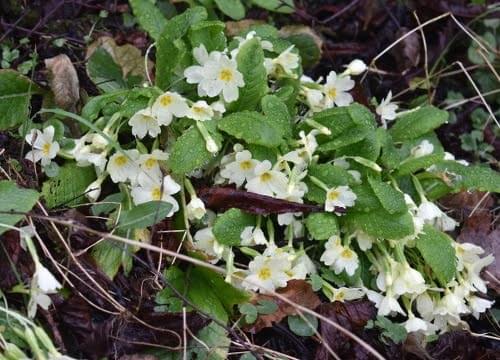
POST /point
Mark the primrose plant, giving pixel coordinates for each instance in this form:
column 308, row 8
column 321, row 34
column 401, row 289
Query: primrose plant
column 256, row 160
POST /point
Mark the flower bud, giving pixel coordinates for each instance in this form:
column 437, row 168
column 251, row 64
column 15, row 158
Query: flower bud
column 355, row 67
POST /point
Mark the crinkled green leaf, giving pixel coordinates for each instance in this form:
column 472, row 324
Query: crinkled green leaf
column 352, row 136
column 149, row 17
column 417, row 123
column 16, row 200
column 189, row 151
column 471, row 177
column 228, row 227
column 381, row 224
column 275, row 109
column 391, row 199
column 366, row 200
column 15, row 95
column 208, row 33
column 254, row 128
column 411, row 165
column 68, row 187
column 437, row 251
column 232, row 8
column 250, row 60
column 322, row 226
column 369, row 147
column 144, row 215
column 111, row 255
column 281, row 6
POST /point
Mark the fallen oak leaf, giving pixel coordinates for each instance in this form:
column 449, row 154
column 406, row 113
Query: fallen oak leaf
column 224, row 198
column 297, row 291
column 63, row 81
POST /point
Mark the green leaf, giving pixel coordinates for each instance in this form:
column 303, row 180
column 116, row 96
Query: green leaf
column 144, row 215
column 15, row 95
column 110, row 256
column 412, row 165
column 437, row 251
column 281, row 6
column 417, row 123
column 310, row 53
column 250, row 61
column 171, row 50
column 250, row 312
column 276, row 110
column 149, row 17
column 391, row 199
column 322, row 226
column 354, row 135
column 369, row 147
column 366, row 199
column 96, row 104
column 472, row 177
column 107, row 205
column 215, row 337
column 104, row 72
column 68, row 187
column 394, row 331
column 208, row 33
column 253, row 128
column 266, row 307
column 14, row 199
column 330, row 175
column 303, row 327
column 228, row 227
column 232, row 8
column 381, row 224
column 189, row 152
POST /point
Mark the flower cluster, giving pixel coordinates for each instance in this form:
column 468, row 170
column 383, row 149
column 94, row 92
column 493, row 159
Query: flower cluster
column 372, row 221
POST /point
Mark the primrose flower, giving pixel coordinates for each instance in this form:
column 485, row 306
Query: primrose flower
column 90, row 154
column 336, row 90
column 168, row 105
column 252, row 235
column 152, row 189
column 473, row 280
column 45, row 280
column 123, row 166
column 387, row 304
column 241, row 169
column 267, row 273
column 303, row 155
column 347, row 261
column 343, row 294
column 196, row 209
column 217, row 74
column 431, row 214
column 333, row 248
column 150, row 163
column 302, row 266
column 386, row 109
column 285, row 62
column 340, row 196
column 355, row 67
column 466, row 253
column 415, row 324
column 425, row 306
column 452, row 304
column 266, row 45
column 408, row 280
column 478, row 305
column 200, row 111
column 266, row 181
column 43, row 145
column 422, row 149
column 144, row 122
column 365, row 241
column 205, row 240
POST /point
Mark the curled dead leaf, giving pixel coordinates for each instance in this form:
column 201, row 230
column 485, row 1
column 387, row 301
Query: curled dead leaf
column 127, row 56
column 298, row 291
column 63, row 81
column 234, row 28
column 290, row 30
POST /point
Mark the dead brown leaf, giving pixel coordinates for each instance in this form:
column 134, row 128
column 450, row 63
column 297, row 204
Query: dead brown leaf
column 234, row 28
column 407, row 51
column 297, row 291
column 127, row 56
column 63, row 81
column 289, row 30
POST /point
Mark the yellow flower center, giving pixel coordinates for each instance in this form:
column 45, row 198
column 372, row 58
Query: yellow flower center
column 156, row 193
column 46, row 148
column 150, row 163
column 460, row 250
column 226, row 75
column 198, row 110
column 333, row 195
column 121, row 160
column 339, row 296
column 264, row 273
column 246, row 165
column 265, row 177
column 347, row 253
column 332, row 92
column 166, row 100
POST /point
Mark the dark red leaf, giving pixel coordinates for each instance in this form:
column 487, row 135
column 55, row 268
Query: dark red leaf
column 224, row 198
